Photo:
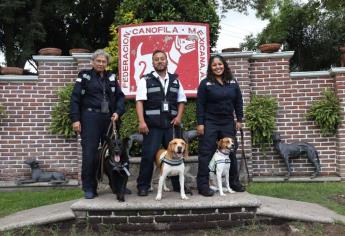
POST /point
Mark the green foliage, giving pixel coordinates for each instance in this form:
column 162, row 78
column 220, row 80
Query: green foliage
column 314, row 30
column 26, row 26
column 260, row 118
column 138, row 11
column 61, row 123
column 2, row 112
column 306, row 192
column 11, row 202
column 326, row 113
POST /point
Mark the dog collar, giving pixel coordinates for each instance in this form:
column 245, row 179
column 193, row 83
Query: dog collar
column 224, row 153
column 172, row 162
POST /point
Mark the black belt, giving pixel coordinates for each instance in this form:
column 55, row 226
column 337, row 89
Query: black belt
column 93, row 109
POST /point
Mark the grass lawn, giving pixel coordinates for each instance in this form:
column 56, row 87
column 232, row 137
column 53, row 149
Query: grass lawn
column 11, row 202
column 330, row 194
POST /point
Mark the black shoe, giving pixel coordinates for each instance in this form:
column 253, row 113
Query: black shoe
column 128, row 191
column 206, row 192
column 143, row 192
column 238, row 188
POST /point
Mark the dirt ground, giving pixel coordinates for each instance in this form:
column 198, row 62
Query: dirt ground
column 285, row 229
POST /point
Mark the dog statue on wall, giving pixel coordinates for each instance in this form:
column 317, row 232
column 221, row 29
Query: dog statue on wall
column 38, row 175
column 289, row 150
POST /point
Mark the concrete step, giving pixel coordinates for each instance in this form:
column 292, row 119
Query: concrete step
column 171, row 213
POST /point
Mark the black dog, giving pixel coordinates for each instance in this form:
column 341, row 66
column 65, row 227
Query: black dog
column 114, row 162
column 294, row 150
column 37, row 175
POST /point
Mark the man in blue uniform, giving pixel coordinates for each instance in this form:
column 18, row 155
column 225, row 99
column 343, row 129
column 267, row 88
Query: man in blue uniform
column 160, row 102
column 96, row 99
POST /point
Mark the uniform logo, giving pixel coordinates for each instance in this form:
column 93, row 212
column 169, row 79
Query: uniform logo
column 186, row 45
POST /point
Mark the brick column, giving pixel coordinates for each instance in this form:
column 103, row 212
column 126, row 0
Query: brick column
column 239, row 65
column 339, row 81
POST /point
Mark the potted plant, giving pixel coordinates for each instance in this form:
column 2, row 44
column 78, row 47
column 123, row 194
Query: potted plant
column 50, row 51
column 326, row 113
column 260, row 118
column 78, row 50
column 9, row 70
column 271, row 43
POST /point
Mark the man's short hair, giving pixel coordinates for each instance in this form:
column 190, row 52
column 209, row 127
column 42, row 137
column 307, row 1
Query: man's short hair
column 100, row 52
column 159, row 51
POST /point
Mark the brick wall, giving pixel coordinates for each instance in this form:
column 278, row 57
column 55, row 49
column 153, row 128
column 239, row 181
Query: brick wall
column 24, row 134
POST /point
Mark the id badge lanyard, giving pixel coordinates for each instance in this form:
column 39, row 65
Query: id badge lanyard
column 165, row 103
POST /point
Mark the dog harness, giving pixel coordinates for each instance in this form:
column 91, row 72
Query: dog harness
column 215, row 161
column 169, row 161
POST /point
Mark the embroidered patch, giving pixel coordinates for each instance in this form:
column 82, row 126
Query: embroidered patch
column 86, row 76
column 113, row 89
column 112, row 77
column 78, row 80
column 209, row 83
column 175, row 82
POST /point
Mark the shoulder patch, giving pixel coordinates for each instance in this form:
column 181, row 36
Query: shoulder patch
column 112, row 77
column 78, row 80
column 175, row 82
column 86, row 76
column 209, row 83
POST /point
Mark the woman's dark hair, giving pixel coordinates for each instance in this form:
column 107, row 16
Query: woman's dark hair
column 227, row 75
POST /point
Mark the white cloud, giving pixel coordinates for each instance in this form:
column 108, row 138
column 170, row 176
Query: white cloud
column 235, row 26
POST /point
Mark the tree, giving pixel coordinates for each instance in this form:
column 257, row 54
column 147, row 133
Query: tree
column 26, row 26
column 313, row 30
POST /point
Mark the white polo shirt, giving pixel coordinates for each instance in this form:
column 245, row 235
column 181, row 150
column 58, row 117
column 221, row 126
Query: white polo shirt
column 141, row 94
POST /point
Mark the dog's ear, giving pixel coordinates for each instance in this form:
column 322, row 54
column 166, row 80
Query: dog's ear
column 186, row 151
column 219, row 143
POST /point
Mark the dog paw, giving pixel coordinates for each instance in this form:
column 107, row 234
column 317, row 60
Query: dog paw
column 158, row 198
column 222, row 194
column 231, row 191
column 184, row 197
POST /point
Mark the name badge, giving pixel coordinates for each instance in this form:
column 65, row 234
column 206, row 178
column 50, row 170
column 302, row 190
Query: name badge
column 165, row 106
column 105, row 107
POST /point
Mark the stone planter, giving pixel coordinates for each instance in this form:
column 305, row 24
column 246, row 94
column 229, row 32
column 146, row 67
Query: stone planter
column 11, row 71
column 50, row 51
column 78, row 50
column 231, row 50
column 269, row 47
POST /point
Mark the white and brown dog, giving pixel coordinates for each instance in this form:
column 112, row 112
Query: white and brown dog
column 220, row 165
column 171, row 163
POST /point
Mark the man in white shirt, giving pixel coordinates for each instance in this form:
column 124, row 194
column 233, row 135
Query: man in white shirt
column 160, row 103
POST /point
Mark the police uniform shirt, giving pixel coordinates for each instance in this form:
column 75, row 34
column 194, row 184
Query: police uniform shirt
column 217, row 102
column 141, row 94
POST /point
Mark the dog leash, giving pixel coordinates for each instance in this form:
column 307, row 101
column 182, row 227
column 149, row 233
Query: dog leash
column 243, row 153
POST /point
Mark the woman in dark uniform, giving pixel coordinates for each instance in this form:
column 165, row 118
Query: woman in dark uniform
column 219, row 97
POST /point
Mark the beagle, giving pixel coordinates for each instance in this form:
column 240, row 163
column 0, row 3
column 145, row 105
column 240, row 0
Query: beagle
column 220, row 165
column 171, row 163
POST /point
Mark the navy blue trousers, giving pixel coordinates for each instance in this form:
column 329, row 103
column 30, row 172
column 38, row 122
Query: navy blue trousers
column 151, row 144
column 94, row 126
column 208, row 146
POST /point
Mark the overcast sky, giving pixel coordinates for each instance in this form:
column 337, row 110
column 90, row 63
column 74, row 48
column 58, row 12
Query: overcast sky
column 234, row 28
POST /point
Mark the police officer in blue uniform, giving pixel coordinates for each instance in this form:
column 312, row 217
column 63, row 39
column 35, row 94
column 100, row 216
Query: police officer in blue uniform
column 160, row 102
column 219, row 96
column 96, row 100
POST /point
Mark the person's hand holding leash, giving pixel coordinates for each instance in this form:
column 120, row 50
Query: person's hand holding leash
column 176, row 121
column 200, row 129
column 143, row 129
column 76, row 127
column 238, row 125
column 114, row 117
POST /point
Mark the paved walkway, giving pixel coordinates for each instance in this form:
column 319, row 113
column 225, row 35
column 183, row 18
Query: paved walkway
column 273, row 207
